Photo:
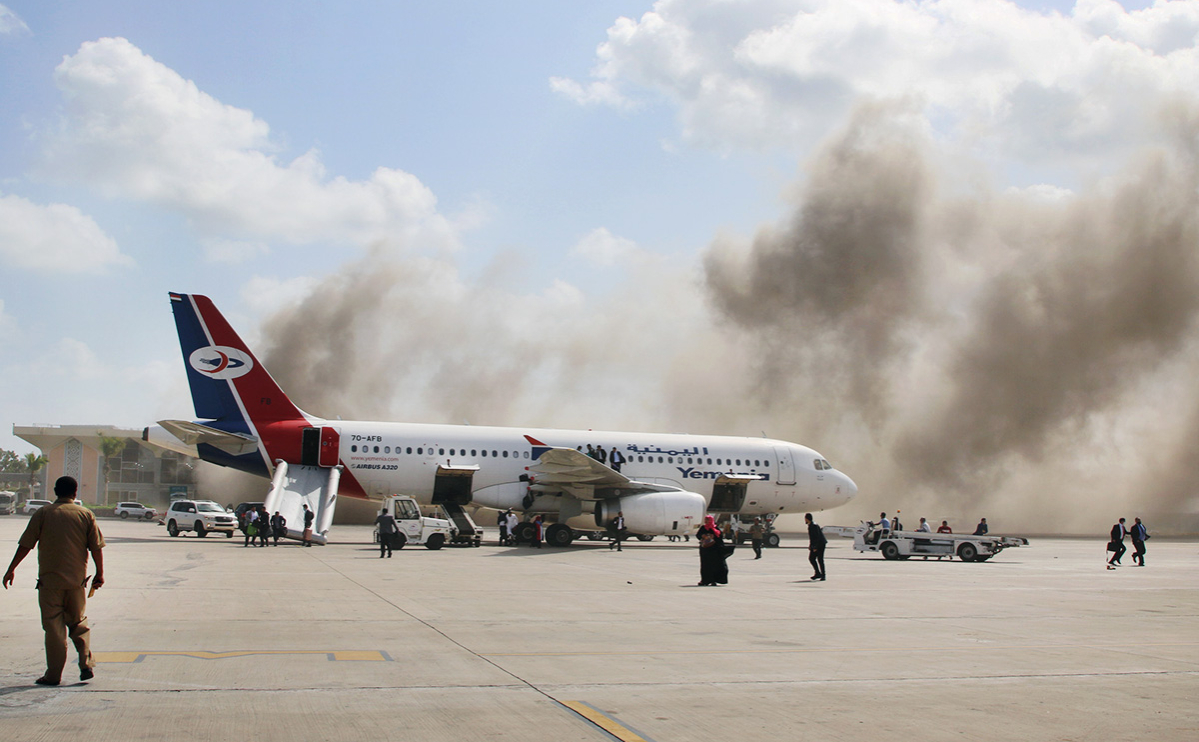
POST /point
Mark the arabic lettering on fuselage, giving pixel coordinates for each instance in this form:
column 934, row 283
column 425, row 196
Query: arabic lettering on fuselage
column 685, row 452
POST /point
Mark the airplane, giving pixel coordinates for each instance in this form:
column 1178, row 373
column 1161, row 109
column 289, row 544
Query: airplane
column 665, row 486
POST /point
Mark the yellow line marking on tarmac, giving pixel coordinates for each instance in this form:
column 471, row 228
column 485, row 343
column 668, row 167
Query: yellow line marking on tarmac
column 335, row 655
column 780, row 650
column 603, row 721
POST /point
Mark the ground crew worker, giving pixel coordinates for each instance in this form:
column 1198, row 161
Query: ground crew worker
column 64, row 534
column 755, row 537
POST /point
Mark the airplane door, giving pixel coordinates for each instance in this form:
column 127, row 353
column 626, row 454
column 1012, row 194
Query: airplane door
column 786, row 473
column 310, row 447
column 330, row 447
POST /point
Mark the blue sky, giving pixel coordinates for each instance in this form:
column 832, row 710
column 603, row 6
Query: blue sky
column 586, row 156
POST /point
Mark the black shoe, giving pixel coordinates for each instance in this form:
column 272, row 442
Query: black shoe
column 822, row 578
column 85, row 673
column 814, row 577
column 45, row 681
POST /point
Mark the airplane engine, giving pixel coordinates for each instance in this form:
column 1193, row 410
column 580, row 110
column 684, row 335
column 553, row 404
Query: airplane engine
column 667, row 513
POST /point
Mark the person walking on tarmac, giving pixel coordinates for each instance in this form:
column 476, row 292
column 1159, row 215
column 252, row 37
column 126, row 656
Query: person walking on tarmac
column 1139, row 536
column 387, row 531
column 278, row 526
column 618, row 532
column 816, row 544
column 755, row 537
column 64, row 534
column 1116, row 545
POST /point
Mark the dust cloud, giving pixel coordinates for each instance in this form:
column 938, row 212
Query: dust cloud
column 960, row 352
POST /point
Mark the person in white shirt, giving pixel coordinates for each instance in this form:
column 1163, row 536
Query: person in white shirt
column 924, row 527
column 512, row 521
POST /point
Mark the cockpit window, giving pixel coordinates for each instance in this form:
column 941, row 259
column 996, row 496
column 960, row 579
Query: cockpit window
column 827, row 465
column 819, row 464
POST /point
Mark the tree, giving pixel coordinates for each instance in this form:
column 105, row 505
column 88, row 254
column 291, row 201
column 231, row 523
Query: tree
column 33, row 463
column 9, row 461
column 109, row 447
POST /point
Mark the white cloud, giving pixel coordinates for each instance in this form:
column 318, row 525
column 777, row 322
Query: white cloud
column 136, row 129
column 601, row 247
column 10, row 22
column 781, row 73
column 57, row 238
column 232, row 252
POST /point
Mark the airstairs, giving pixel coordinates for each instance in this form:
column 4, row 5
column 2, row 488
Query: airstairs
column 296, row 485
column 466, row 532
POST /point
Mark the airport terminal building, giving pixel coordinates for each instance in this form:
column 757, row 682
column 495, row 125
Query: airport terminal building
column 141, row 472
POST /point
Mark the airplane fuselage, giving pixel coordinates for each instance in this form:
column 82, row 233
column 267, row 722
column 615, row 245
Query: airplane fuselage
column 383, row 458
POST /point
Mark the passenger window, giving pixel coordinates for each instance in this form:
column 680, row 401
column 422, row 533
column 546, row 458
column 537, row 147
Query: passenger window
column 485, row 453
column 409, row 449
column 441, row 452
column 376, row 449
column 387, row 449
column 659, row 459
column 353, row 449
column 495, row 454
column 419, row 451
column 505, row 454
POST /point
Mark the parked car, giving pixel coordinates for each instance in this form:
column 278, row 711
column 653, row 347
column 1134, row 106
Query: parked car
column 136, row 509
column 200, row 516
column 34, row 505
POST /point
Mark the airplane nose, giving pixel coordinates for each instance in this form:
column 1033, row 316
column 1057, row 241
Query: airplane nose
column 848, row 488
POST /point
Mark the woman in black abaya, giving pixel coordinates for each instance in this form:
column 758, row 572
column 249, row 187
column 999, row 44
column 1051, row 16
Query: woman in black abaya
column 713, row 569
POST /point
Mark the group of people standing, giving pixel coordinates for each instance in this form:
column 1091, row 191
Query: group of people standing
column 507, row 523
column 614, row 459
column 259, row 526
column 1116, row 545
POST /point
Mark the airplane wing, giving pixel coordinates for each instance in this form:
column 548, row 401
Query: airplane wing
column 566, row 467
column 194, row 434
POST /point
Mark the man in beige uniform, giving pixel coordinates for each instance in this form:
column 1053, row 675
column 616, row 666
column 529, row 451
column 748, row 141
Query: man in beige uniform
column 64, row 534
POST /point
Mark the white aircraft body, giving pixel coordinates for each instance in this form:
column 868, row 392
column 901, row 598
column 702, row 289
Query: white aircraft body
column 664, row 486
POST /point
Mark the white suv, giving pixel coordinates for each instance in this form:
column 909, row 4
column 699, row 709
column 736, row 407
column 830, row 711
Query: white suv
column 136, row 509
column 200, row 516
column 34, row 505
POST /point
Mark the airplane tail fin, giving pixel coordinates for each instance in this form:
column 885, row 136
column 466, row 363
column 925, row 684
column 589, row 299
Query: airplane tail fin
column 228, row 384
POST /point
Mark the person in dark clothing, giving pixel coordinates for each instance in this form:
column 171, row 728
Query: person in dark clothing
column 278, row 526
column 1116, row 545
column 501, row 521
column 601, row 455
column 1139, row 535
column 713, row 554
column 386, row 523
column 981, row 529
column 618, row 532
column 615, row 459
column 816, row 544
column 537, row 521
column 309, row 516
column 264, row 525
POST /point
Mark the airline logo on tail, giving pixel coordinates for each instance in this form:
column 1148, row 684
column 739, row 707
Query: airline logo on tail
column 221, row 362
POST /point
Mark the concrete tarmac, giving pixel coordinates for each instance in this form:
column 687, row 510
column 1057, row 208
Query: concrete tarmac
column 205, row 639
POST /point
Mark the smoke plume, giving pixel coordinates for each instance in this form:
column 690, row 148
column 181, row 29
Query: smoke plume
column 960, row 352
